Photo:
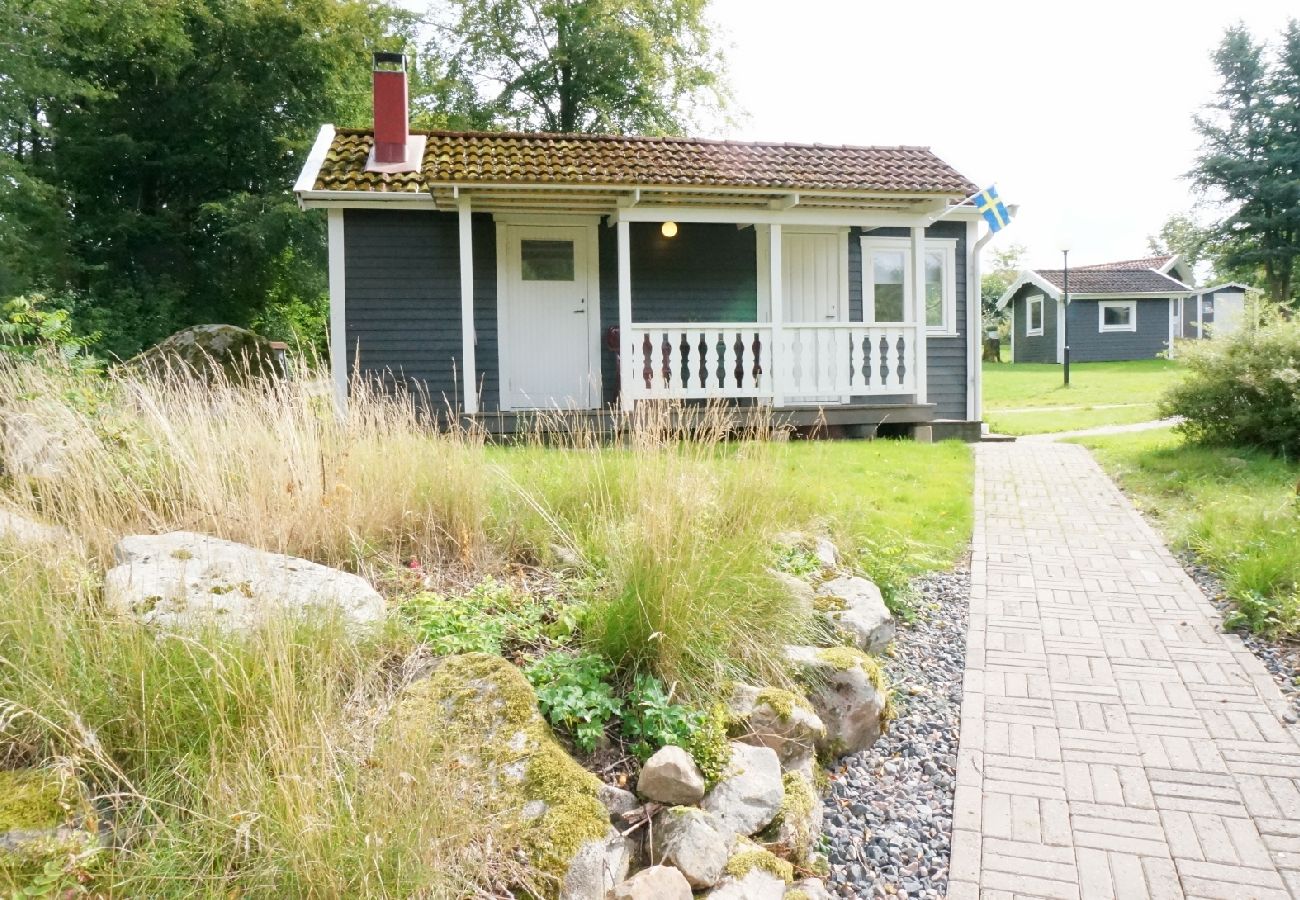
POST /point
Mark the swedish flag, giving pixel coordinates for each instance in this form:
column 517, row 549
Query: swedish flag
column 992, row 208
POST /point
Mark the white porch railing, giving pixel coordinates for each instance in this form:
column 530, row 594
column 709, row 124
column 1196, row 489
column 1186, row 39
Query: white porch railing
column 704, row 360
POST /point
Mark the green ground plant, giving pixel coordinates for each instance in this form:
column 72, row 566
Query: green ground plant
column 575, row 695
column 1031, row 398
column 1235, row 508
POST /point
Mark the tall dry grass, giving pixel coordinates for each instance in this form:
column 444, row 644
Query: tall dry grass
column 252, row 766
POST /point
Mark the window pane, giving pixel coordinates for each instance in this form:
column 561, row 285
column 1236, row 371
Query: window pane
column 1035, row 315
column 889, row 268
column 546, row 260
column 1116, row 315
column 934, row 276
column 889, row 303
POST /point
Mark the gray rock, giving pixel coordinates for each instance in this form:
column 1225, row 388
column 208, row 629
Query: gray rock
column 671, row 777
column 749, row 794
column 37, row 446
column 781, row 720
column 597, row 867
column 655, row 883
column 756, row 884
column 618, row 801
column 820, row 546
column 203, row 351
column 696, row 842
column 844, row 695
column 800, row 591
column 798, row 825
column 183, row 580
column 24, row 531
column 864, row 616
column 827, row 553
column 813, row 889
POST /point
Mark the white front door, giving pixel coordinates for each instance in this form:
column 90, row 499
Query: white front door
column 814, row 291
column 547, row 310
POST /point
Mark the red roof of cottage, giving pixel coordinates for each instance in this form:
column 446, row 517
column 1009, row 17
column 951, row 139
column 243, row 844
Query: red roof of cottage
column 1146, row 262
column 1100, row 280
column 509, row 158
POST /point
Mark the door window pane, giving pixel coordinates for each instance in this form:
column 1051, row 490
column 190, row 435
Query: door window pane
column 934, row 289
column 546, row 260
column 888, row 268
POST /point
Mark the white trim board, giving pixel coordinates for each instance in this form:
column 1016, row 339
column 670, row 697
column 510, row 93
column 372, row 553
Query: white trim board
column 315, row 158
column 1030, row 300
column 948, row 246
column 1130, row 305
column 338, row 310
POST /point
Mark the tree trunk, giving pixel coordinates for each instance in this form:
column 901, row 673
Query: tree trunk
column 568, row 109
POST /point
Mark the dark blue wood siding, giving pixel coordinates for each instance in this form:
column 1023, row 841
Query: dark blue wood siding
column 1039, row 348
column 402, row 308
column 1089, row 344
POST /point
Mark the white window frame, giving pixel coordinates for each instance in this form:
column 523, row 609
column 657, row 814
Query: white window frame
column 1029, row 315
column 946, row 246
column 1130, row 305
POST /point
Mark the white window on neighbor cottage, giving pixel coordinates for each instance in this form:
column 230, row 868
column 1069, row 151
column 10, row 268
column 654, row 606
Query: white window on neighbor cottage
column 887, row 282
column 1117, row 315
column 1034, row 325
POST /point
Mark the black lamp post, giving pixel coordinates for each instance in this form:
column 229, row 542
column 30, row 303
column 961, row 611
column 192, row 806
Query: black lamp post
column 1065, row 299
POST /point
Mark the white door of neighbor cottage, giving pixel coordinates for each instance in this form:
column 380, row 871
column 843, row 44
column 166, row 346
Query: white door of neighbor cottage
column 548, row 316
column 814, row 291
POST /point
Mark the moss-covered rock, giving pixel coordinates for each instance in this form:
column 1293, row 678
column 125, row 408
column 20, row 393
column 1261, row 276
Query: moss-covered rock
column 43, row 817
column 753, row 873
column 847, row 689
column 484, row 712
column 204, row 351
column 798, row 824
column 775, row 718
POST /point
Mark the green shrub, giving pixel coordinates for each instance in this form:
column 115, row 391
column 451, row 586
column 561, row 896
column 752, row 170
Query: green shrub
column 652, row 720
column 491, row 617
column 575, row 695
column 1242, row 389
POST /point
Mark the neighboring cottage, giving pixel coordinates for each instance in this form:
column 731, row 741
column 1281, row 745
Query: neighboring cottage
column 1217, row 310
column 1131, row 309
column 507, row 273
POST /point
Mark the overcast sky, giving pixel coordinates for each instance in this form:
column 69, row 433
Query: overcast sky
column 1081, row 112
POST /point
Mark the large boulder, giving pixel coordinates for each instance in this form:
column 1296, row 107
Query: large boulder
column 749, row 794
column 775, row 718
column 655, row 883
column 694, row 842
column 43, row 819
column 206, row 351
column 479, row 717
column 857, row 608
column 184, row 580
column 671, row 777
column 36, row 443
column 847, row 689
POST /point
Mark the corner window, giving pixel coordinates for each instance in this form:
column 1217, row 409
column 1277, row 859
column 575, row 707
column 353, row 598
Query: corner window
column 1034, row 320
column 887, row 282
column 1117, row 315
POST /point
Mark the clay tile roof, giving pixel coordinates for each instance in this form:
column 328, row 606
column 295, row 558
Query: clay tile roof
column 1094, row 280
column 468, row 158
column 1146, row 262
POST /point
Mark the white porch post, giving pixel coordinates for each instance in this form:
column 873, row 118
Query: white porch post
column 918, row 311
column 469, row 373
column 778, row 314
column 338, row 312
column 626, row 362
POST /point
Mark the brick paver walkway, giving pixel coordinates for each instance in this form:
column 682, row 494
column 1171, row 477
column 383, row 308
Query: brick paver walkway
column 1114, row 742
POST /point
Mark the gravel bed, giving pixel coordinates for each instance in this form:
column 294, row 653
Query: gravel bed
column 1283, row 660
column 889, row 811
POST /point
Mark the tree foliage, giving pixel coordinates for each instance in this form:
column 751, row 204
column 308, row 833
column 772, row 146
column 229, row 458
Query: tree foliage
column 148, row 149
column 1181, row 235
column 1250, row 156
column 619, row 66
column 1006, row 267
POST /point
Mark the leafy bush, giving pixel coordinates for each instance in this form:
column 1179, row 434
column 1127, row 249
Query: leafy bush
column 575, row 695
column 489, row 618
column 34, row 323
column 1242, row 389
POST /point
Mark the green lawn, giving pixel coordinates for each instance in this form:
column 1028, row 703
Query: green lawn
column 1130, row 388
column 1237, row 509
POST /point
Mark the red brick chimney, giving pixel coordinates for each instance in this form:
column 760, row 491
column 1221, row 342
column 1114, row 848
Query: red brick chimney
column 391, row 126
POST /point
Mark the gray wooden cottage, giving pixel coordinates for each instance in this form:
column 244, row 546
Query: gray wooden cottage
column 506, row 273
column 1131, row 309
column 1217, row 310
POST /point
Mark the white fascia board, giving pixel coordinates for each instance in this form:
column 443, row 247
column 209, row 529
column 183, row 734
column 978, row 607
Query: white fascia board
column 366, row 199
column 1029, row 276
column 796, row 216
column 1131, row 295
column 1225, row 286
column 315, row 157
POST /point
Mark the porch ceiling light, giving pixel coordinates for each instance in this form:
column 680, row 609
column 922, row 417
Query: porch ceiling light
column 668, row 229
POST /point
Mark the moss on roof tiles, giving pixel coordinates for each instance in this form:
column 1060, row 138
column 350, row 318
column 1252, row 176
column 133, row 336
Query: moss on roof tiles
column 515, row 158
